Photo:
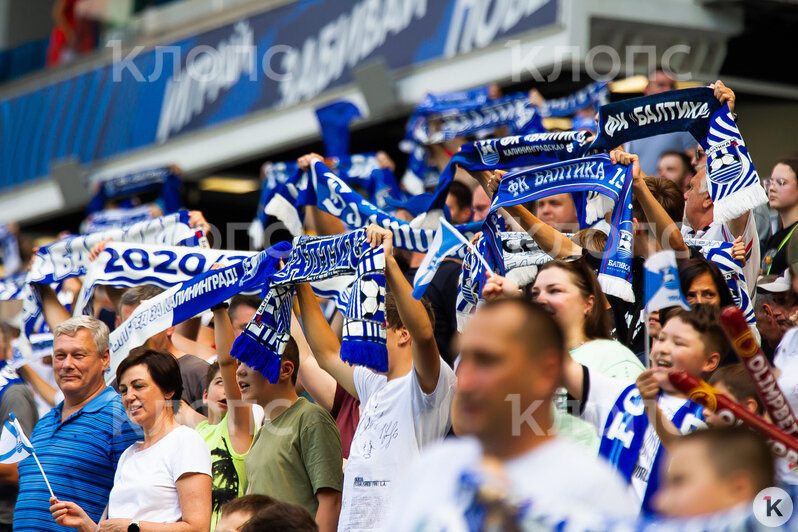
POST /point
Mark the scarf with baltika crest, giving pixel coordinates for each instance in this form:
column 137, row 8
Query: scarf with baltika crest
column 732, row 180
column 328, row 192
column 596, row 174
column 262, row 343
column 505, row 153
column 359, row 170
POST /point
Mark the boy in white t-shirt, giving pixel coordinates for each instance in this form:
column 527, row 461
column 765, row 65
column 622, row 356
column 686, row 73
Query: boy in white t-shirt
column 689, row 340
column 402, row 411
column 510, row 460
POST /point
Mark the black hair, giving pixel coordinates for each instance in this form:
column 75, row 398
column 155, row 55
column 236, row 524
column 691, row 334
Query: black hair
column 162, row 367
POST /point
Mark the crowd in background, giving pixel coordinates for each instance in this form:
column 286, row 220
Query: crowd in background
column 505, row 422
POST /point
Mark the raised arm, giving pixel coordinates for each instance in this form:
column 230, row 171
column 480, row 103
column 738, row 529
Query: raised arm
column 240, row 422
column 426, row 359
column 322, row 340
column 317, row 382
column 39, row 385
column 648, row 384
column 665, row 228
column 52, row 309
column 550, row 240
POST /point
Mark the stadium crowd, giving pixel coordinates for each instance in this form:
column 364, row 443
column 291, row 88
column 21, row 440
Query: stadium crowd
column 309, row 386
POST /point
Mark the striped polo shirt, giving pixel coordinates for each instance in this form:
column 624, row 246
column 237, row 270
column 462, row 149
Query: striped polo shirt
column 79, row 457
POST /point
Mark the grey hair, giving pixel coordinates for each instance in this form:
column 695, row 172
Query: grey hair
column 702, row 185
column 98, row 329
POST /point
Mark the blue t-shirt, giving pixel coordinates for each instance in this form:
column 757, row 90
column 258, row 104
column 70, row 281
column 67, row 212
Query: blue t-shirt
column 79, row 456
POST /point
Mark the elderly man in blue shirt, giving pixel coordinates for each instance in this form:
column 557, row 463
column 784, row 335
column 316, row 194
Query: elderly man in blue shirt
column 78, row 442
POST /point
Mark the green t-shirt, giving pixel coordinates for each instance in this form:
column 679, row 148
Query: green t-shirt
column 296, row 454
column 609, row 358
column 229, row 474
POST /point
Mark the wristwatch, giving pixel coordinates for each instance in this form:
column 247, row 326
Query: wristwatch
column 133, row 527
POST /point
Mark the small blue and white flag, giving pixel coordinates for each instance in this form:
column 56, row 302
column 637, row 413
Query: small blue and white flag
column 447, row 241
column 662, row 282
column 14, row 445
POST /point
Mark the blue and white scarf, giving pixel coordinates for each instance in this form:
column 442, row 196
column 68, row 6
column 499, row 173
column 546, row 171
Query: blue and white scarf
column 285, row 180
column 364, row 171
column 505, row 153
column 185, row 300
column 443, row 101
column 648, row 116
column 13, row 286
column 10, row 249
column 522, row 257
column 8, row 376
column 166, row 182
column 123, row 264
column 263, row 341
column 732, row 180
column 624, row 433
column 595, row 173
column 595, row 94
column 719, row 253
column 439, row 124
column 70, row 257
column 115, row 219
column 322, row 188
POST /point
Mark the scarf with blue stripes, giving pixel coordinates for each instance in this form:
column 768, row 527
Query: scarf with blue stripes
column 286, row 179
column 184, row 300
column 262, row 343
column 438, row 123
column 732, row 180
column 9, row 245
column 320, row 186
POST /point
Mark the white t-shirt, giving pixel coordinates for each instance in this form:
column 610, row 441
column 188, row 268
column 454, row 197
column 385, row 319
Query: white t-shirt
column 397, row 420
column 600, row 399
column 555, row 473
column 144, row 483
column 721, row 233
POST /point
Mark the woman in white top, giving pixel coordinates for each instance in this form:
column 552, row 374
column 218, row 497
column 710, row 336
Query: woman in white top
column 571, row 292
column 164, row 482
